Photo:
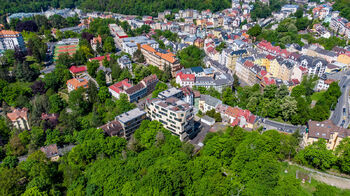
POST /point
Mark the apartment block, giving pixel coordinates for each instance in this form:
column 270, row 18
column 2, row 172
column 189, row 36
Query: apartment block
column 9, row 40
column 160, row 58
column 325, row 130
column 130, row 121
column 176, row 115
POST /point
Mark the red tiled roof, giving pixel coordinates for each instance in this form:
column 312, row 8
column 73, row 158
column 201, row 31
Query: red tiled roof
column 100, row 58
column 270, row 57
column 186, row 77
column 263, row 73
column 119, row 86
column 75, row 69
column 269, row 81
column 248, row 64
column 295, row 81
column 328, row 81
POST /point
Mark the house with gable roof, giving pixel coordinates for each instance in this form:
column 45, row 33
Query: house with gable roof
column 19, row 118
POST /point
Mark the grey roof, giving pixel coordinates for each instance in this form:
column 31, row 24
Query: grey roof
column 130, row 115
column 104, row 69
column 317, row 61
column 309, row 59
column 169, row 93
column 288, row 64
column 325, row 52
column 208, row 119
column 204, row 80
column 210, row 100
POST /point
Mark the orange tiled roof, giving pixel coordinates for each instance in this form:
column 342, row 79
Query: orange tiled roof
column 168, row 56
column 8, row 32
column 18, row 113
column 76, row 83
column 148, row 48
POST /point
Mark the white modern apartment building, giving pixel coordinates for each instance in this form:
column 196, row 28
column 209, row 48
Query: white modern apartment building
column 9, row 40
column 175, row 114
column 131, row 44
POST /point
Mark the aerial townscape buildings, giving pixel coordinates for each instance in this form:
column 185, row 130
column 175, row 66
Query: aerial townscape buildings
column 162, row 97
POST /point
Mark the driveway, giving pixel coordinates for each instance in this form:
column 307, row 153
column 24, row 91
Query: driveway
column 203, row 130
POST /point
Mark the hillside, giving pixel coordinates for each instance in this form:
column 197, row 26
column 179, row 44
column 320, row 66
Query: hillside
column 133, row 7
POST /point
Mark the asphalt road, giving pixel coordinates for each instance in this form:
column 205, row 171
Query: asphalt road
column 288, row 128
column 339, row 117
column 199, row 138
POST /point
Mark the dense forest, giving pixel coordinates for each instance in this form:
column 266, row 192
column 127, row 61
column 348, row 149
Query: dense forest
column 133, row 7
column 344, row 7
column 154, row 162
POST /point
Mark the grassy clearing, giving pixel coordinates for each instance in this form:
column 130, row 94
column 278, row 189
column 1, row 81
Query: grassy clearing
column 317, row 95
column 308, row 188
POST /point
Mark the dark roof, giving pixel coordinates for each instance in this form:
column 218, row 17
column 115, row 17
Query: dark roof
column 112, row 128
column 317, row 61
column 238, row 52
column 197, row 69
column 324, row 129
column 150, row 79
column 135, row 88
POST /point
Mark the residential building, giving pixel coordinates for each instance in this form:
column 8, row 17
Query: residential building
column 323, row 84
column 130, row 121
column 188, row 95
column 131, row 44
column 239, row 117
column 150, row 82
column 112, row 128
column 78, row 71
column 75, row 83
column 95, row 41
column 100, row 59
column 289, row 8
column 175, row 114
column 208, row 102
column 125, row 62
column 19, row 118
column 230, row 57
column 208, row 120
column 172, row 92
column 160, row 58
column 136, row 92
column 51, row 152
column 119, row 87
column 325, row 130
column 244, row 72
column 185, row 79
column 9, row 40
column 108, row 73
column 118, row 33
column 315, row 66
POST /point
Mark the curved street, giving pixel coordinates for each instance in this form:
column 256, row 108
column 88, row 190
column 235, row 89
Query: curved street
column 341, row 113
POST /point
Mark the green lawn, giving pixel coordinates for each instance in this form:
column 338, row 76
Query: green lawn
column 317, row 95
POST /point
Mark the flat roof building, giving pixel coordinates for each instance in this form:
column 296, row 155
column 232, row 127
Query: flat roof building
column 130, row 121
column 176, row 115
